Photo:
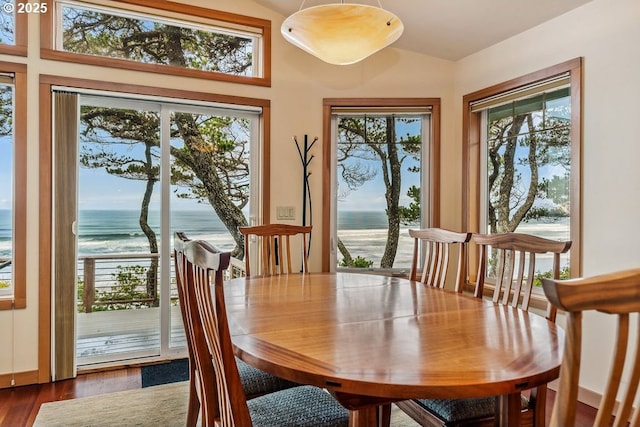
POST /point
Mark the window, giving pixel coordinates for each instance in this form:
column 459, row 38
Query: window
column 6, row 193
column 527, row 159
column 381, row 176
column 13, row 192
column 13, row 28
column 202, row 44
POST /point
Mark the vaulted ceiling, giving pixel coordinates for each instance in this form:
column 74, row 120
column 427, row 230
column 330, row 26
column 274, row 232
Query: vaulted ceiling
column 453, row 29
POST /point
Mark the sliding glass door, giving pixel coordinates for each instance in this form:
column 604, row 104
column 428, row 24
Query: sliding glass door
column 148, row 168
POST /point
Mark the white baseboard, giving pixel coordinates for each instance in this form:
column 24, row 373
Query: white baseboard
column 585, row 395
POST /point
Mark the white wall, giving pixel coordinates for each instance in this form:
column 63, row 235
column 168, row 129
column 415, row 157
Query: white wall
column 605, row 33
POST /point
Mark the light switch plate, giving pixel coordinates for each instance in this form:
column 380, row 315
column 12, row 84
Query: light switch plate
column 286, row 213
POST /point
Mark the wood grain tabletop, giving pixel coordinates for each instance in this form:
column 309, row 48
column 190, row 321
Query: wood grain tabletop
column 370, row 338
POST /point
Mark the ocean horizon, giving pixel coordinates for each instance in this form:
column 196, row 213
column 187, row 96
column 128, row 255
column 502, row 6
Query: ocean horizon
column 363, row 232
column 118, row 231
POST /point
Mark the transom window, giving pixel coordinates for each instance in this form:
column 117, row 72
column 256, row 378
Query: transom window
column 13, row 26
column 203, row 43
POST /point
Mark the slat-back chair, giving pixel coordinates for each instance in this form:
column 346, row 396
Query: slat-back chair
column 180, row 262
column 513, row 286
column 254, row 381
column 618, row 295
column 300, row 406
column 433, row 246
column 275, row 243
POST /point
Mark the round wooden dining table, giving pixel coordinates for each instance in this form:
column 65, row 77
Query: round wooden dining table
column 371, row 340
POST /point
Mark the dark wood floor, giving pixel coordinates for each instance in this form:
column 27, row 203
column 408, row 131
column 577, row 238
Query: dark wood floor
column 19, row 405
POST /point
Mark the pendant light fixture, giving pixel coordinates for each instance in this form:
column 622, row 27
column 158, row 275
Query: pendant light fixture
column 342, row 33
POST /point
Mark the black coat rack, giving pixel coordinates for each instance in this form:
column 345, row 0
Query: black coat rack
column 306, row 189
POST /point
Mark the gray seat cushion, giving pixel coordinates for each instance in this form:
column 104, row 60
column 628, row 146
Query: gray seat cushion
column 453, row 410
column 303, row 406
column 256, row 382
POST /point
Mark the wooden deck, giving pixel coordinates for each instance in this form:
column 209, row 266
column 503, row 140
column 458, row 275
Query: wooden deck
column 116, row 333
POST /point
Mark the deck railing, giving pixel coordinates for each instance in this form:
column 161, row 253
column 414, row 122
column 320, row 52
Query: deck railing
column 117, row 281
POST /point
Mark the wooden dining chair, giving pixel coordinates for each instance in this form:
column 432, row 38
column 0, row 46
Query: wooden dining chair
column 514, row 255
column 616, row 294
column 431, row 255
column 275, row 244
column 228, row 405
column 255, row 382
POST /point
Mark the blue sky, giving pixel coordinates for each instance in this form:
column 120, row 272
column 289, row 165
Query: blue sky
column 99, row 190
column 371, row 195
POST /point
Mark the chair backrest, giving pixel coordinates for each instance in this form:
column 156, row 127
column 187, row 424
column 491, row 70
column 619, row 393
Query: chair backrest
column 509, row 282
column 208, row 266
column 618, row 295
column 275, row 247
column 199, row 356
column 433, row 246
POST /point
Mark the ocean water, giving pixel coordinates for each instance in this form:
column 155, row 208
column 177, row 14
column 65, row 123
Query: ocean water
column 5, row 231
column 118, row 231
column 364, row 233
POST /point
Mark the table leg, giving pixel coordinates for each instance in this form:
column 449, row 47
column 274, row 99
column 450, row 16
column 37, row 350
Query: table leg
column 507, row 410
column 369, row 416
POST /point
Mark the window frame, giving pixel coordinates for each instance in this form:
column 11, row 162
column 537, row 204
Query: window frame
column 163, row 9
column 433, row 157
column 18, row 299
column 471, row 167
column 20, row 36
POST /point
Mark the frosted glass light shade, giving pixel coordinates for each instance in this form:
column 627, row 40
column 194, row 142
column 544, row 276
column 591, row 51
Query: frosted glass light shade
column 342, row 33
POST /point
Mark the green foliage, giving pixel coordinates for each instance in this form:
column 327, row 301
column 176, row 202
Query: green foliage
column 564, row 274
column 4, row 284
column 128, row 280
column 411, row 215
column 128, row 289
column 80, row 296
column 357, row 262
